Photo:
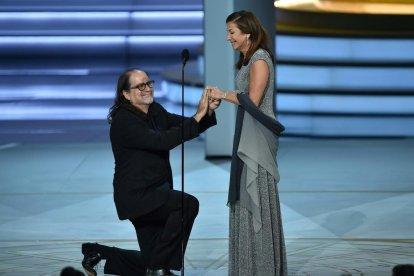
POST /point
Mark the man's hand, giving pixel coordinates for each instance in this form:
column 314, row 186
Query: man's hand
column 213, row 104
column 203, row 106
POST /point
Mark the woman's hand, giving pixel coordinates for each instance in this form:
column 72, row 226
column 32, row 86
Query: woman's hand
column 216, row 93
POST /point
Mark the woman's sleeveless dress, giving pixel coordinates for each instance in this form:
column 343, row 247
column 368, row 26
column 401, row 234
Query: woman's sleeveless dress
column 262, row 253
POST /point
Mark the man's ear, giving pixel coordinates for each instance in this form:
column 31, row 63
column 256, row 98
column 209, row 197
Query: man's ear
column 126, row 95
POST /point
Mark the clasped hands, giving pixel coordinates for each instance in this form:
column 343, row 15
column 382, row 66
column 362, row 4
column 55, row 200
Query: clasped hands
column 210, row 101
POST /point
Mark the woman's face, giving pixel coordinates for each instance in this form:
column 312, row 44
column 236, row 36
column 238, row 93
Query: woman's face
column 237, row 38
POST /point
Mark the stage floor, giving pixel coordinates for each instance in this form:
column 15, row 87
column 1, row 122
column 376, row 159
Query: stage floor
column 347, row 205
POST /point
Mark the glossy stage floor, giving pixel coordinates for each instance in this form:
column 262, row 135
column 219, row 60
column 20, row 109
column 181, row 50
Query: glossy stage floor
column 348, row 205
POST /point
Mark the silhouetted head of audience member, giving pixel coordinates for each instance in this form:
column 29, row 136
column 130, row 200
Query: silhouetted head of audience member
column 403, row 270
column 70, row 271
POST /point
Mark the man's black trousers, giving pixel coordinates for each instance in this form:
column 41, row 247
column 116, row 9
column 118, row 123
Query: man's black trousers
column 159, row 232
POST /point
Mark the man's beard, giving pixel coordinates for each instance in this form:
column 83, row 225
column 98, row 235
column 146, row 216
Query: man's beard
column 148, row 100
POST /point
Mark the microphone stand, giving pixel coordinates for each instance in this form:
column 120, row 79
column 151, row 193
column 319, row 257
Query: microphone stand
column 184, row 57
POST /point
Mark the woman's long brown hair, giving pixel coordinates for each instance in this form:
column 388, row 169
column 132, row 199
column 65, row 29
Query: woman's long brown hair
column 248, row 23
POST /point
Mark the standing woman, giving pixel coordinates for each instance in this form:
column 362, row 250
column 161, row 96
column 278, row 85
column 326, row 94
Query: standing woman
column 256, row 242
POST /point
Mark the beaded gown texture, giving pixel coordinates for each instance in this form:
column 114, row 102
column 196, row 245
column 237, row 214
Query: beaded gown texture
column 259, row 253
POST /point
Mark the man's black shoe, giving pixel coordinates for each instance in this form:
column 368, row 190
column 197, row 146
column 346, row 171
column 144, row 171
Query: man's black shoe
column 89, row 262
column 159, row 272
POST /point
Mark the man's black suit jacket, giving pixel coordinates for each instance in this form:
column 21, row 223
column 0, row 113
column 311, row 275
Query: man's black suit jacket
column 141, row 144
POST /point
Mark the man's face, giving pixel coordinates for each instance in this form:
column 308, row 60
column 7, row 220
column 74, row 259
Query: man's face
column 139, row 98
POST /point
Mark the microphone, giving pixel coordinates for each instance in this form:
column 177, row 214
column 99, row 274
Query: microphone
column 185, row 55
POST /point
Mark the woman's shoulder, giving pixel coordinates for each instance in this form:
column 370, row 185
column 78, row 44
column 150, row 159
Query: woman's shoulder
column 260, row 54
